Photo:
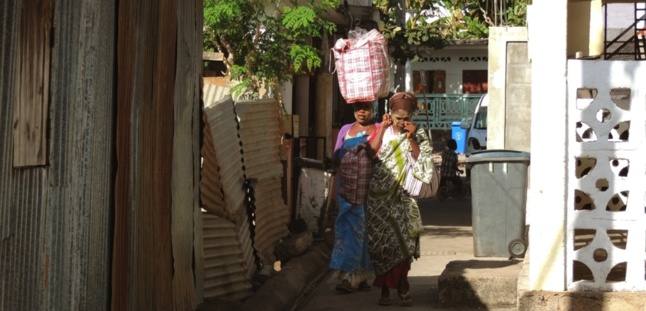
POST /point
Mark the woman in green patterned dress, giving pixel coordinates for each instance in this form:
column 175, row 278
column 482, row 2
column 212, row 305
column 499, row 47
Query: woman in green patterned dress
column 393, row 221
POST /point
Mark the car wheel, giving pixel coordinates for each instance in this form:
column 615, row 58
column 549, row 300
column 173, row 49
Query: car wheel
column 474, row 144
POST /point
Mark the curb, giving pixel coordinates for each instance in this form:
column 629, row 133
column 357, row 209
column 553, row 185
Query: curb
column 291, row 285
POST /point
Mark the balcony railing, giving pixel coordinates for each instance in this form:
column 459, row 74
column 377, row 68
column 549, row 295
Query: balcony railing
column 437, row 111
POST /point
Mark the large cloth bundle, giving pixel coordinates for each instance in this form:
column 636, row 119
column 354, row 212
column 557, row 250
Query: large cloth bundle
column 362, row 66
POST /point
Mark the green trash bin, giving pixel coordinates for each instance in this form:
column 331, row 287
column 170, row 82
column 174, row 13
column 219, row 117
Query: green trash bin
column 498, row 201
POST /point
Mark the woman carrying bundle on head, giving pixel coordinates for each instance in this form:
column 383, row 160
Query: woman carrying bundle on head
column 349, row 257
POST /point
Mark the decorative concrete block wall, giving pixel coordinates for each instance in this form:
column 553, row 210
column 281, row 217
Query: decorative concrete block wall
column 605, row 232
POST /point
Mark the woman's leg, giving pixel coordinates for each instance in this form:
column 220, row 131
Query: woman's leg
column 403, row 289
column 404, row 286
column 384, row 300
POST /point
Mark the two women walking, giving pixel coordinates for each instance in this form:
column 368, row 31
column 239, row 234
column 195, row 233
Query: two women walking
column 391, row 216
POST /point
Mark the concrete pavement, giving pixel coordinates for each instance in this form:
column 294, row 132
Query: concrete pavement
column 446, row 277
column 447, row 239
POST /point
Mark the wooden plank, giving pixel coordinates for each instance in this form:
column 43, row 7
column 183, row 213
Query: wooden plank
column 157, row 157
column 143, row 256
column 126, row 59
column 32, row 84
column 185, row 179
column 213, row 56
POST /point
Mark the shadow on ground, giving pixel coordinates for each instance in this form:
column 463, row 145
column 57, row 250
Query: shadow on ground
column 451, row 232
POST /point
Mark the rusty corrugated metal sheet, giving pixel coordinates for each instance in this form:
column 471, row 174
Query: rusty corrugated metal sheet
column 272, row 217
column 228, row 258
column 56, row 221
column 258, row 130
column 224, row 128
column 12, row 209
column 213, row 93
column 260, row 135
column 211, row 190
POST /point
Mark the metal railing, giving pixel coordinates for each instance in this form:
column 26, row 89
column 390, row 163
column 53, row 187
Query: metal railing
column 630, row 43
column 310, row 147
column 438, row 111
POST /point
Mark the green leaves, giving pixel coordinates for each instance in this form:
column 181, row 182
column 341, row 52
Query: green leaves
column 299, row 18
column 304, row 21
column 264, row 40
column 304, row 55
column 431, row 24
column 267, row 41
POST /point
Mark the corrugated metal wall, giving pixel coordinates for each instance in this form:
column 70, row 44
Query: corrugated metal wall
column 113, row 190
column 121, row 182
column 55, row 219
column 12, row 207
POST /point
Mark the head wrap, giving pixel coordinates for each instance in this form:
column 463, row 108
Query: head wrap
column 403, row 100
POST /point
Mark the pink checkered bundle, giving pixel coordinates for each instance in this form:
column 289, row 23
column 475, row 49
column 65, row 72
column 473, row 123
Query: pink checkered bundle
column 363, row 67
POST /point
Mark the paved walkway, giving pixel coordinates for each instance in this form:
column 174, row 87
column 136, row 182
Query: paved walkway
column 447, row 237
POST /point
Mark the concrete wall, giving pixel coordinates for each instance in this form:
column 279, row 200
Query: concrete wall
column 509, row 118
column 606, row 176
column 555, row 176
column 585, row 31
column 453, row 60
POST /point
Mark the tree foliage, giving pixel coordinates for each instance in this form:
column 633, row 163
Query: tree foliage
column 266, row 41
column 433, row 23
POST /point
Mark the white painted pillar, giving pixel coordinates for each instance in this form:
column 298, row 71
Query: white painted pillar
column 547, row 27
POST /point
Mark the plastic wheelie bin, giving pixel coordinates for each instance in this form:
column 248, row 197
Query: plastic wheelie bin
column 498, row 201
column 460, row 136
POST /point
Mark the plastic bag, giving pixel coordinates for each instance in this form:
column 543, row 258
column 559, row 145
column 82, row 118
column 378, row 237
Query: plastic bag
column 362, row 66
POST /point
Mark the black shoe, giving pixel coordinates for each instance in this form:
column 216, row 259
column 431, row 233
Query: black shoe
column 364, row 286
column 344, row 287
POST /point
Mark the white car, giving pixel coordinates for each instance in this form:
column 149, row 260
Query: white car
column 477, row 127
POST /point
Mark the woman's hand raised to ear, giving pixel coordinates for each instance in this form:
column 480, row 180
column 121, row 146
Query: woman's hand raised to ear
column 387, row 120
column 375, row 144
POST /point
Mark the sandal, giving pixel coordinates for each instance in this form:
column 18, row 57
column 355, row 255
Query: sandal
column 384, row 301
column 344, row 287
column 364, row 286
column 406, row 299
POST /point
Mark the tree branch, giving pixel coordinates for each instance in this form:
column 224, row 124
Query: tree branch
column 229, row 48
